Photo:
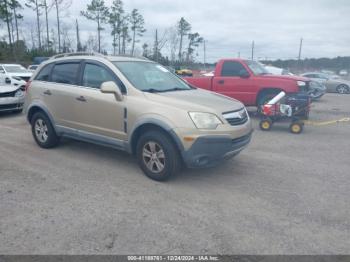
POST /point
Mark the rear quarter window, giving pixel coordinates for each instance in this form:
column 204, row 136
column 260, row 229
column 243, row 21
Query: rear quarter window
column 44, row 74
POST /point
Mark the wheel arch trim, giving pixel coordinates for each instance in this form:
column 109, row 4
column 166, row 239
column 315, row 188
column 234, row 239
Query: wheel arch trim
column 155, row 122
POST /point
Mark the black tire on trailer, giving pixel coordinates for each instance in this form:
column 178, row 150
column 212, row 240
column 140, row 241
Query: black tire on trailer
column 296, row 127
column 266, row 124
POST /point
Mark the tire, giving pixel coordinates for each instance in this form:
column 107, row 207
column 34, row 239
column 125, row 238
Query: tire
column 43, row 131
column 342, row 89
column 296, row 127
column 157, row 155
column 265, row 124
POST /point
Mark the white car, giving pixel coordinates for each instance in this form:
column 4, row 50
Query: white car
column 12, row 80
column 16, row 71
column 11, row 98
column 32, row 68
column 277, row 71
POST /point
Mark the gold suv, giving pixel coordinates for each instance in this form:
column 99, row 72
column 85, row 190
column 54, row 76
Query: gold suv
column 135, row 105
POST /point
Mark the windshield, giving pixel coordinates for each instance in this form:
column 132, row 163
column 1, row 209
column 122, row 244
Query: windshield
column 257, row 68
column 151, row 77
column 15, row 69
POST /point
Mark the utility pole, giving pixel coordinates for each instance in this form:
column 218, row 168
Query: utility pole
column 79, row 47
column 239, row 54
column 205, row 55
column 253, row 46
column 299, row 56
column 300, row 48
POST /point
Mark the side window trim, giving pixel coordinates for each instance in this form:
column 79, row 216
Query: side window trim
column 120, row 84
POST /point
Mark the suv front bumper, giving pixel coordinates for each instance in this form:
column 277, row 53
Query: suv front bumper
column 208, row 151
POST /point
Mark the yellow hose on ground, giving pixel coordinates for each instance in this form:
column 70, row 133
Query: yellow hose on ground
column 325, row 123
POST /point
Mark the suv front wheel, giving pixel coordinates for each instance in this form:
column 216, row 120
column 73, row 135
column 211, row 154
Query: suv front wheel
column 157, row 156
column 43, row 131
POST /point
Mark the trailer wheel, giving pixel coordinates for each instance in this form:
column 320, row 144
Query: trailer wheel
column 265, row 124
column 296, row 127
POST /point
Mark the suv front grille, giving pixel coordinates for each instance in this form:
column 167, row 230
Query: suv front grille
column 8, row 94
column 236, row 118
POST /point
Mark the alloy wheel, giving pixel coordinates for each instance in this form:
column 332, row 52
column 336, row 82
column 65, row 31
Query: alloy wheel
column 41, row 130
column 153, row 157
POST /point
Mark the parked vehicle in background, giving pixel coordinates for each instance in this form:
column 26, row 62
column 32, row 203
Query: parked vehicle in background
column 16, row 71
column 249, row 82
column 184, row 72
column 135, row 105
column 343, row 72
column 11, row 98
column 12, row 80
column 316, row 89
column 277, row 71
column 32, row 68
column 333, row 84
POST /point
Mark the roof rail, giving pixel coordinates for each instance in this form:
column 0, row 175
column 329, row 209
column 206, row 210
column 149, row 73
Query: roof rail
column 131, row 56
column 77, row 54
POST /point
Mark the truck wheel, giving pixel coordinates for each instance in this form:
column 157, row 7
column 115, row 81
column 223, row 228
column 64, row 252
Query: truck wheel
column 43, row 131
column 157, row 156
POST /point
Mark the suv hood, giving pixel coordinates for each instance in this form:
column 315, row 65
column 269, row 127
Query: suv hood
column 197, row 100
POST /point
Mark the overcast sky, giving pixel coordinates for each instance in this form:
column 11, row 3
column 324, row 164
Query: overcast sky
column 230, row 26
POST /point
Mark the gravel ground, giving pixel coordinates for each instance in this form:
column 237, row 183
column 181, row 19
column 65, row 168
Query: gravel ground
column 285, row 194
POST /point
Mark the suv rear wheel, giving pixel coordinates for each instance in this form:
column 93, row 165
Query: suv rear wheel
column 157, row 156
column 43, row 132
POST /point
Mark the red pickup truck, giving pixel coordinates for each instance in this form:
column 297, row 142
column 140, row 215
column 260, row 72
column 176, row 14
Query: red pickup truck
column 248, row 81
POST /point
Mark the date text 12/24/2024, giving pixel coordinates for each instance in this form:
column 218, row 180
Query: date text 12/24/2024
column 173, row 258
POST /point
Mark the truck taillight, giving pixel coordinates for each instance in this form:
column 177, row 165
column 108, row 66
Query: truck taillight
column 26, row 88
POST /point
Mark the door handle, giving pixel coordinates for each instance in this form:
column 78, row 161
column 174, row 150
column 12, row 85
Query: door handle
column 81, row 99
column 221, row 82
column 47, row 92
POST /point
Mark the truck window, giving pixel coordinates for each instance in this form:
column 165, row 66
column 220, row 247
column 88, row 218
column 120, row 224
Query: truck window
column 232, row 68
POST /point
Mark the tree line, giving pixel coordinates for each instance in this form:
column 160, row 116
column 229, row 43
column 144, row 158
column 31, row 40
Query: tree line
column 26, row 39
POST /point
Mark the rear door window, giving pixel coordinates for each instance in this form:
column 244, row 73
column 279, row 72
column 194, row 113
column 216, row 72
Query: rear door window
column 66, row 73
column 44, row 74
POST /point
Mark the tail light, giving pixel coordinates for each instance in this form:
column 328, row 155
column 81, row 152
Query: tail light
column 26, row 88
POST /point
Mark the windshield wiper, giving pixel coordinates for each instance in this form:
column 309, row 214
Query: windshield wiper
column 152, row 90
column 175, row 89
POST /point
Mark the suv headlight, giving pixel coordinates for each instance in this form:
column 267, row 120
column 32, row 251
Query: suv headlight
column 19, row 93
column 205, row 120
column 301, row 83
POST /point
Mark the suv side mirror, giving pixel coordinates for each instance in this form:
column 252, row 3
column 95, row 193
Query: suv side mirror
column 244, row 74
column 111, row 88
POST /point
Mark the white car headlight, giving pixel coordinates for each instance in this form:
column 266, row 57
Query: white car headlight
column 19, row 93
column 205, row 120
column 301, row 83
